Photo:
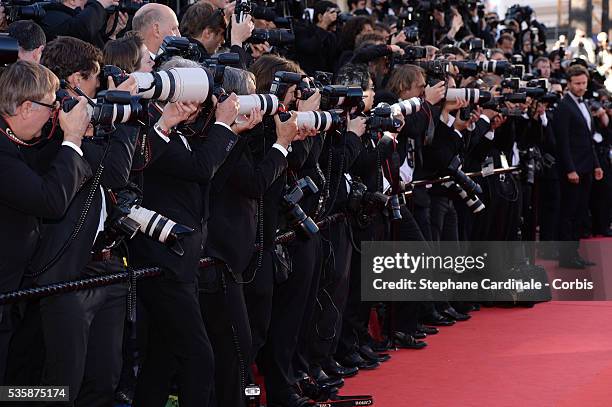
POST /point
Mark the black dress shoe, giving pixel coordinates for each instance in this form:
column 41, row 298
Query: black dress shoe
column 382, row 346
column 429, row 330
column 572, row 264
column 419, row 335
column 450, row 312
column 354, row 360
column 368, row 354
column 323, row 379
column 406, row 341
column 436, row 319
column 335, row 369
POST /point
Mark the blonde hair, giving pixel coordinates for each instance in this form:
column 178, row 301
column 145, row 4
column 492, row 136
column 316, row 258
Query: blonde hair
column 25, row 81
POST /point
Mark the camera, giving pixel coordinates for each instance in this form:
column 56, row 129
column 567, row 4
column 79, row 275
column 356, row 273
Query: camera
column 127, row 217
column 282, row 81
column 243, row 9
column 471, row 95
column 412, row 53
column 268, row 104
column 342, row 97
column 25, row 10
column 381, row 119
column 117, row 74
column 320, row 121
column 407, row 107
column 362, row 204
column 471, row 201
column 177, row 47
column 296, row 216
column 278, row 37
column 111, row 107
column 127, row 6
column 9, row 49
column 175, row 85
column 465, row 182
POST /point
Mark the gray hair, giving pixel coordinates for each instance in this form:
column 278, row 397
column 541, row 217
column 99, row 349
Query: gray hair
column 238, row 80
column 179, row 62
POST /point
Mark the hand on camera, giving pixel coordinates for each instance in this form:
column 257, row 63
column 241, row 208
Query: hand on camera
column 122, row 20
column 305, row 132
column 357, row 125
column 108, row 3
column 241, row 31
column 398, row 38
column 176, row 113
column 244, row 123
column 258, row 50
column 129, row 85
column 286, row 131
column 74, row 123
column 227, row 111
column 498, row 121
column 434, row 94
column 310, row 104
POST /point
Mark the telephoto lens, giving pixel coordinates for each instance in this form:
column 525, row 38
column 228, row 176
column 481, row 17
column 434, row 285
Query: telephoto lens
column 472, row 202
column 320, row 121
column 472, row 95
column 160, row 228
column 175, row 85
column 267, row 103
column 406, row 107
column 278, row 37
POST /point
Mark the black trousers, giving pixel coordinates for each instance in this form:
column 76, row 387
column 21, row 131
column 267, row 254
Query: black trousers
column 443, row 218
column 178, row 346
column 333, row 292
column 83, row 337
column 357, row 313
column 227, row 324
column 290, row 301
column 549, row 204
column 574, row 206
column 601, row 198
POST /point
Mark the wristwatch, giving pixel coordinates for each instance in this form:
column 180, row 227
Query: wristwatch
column 158, row 128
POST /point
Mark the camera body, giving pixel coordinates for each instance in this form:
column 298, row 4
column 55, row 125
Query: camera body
column 346, row 98
column 297, row 218
column 381, row 119
column 177, row 47
column 363, row 204
column 25, row 10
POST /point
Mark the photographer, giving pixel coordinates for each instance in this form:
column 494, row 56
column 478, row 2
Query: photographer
column 26, row 104
column 235, row 202
column 82, row 19
column 154, row 22
column 31, row 39
column 174, row 179
column 89, row 322
column 205, row 26
column 315, row 43
column 128, row 53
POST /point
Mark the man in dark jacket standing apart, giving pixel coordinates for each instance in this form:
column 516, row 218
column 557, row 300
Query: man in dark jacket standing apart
column 577, row 163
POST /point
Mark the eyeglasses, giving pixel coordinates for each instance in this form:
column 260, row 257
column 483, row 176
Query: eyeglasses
column 52, row 107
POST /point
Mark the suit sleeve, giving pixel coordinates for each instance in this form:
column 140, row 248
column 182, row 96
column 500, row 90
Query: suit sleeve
column 561, row 126
column 254, row 181
column 202, row 163
column 49, row 195
column 85, row 25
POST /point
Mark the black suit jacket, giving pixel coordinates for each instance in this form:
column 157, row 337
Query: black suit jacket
column 172, row 183
column 26, row 197
column 86, row 24
column 117, row 164
column 235, row 193
column 575, row 150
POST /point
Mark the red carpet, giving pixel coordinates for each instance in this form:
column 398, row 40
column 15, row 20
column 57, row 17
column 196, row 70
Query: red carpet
column 556, row 354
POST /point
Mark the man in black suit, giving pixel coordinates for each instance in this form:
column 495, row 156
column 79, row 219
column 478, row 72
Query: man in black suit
column 177, row 171
column 577, row 163
column 89, row 322
column 26, row 103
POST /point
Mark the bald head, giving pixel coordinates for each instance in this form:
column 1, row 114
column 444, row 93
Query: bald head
column 154, row 22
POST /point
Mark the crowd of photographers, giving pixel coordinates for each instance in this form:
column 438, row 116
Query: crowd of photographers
column 269, row 140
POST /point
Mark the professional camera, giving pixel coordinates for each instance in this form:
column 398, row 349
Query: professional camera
column 296, row 216
column 381, row 119
column 320, row 121
column 24, row 10
column 465, row 182
column 282, row 81
column 471, row 201
column 177, row 47
column 9, row 49
column 111, row 107
column 127, row 217
column 243, row 9
column 406, row 107
column 127, row 6
column 217, row 65
column 362, row 204
column 117, row 74
column 176, row 85
column 278, row 37
column 261, row 12
column 594, row 105
column 342, row 97
column 471, row 95
column 412, row 53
